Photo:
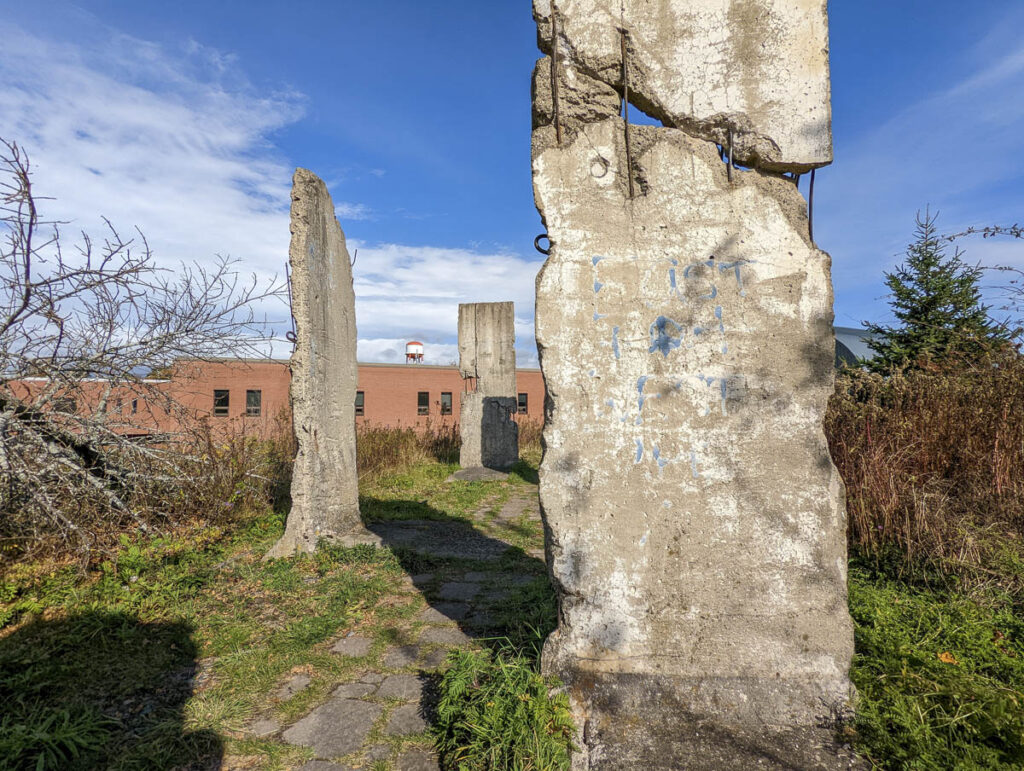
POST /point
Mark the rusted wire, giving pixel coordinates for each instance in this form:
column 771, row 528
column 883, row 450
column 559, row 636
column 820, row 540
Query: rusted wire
column 625, row 108
column 554, row 74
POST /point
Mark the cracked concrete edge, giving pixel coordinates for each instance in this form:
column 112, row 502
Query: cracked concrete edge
column 782, row 128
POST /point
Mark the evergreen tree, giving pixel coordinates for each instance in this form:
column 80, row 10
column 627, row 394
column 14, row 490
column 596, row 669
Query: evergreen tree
column 936, row 300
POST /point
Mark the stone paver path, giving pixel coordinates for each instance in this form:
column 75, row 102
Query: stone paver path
column 383, row 713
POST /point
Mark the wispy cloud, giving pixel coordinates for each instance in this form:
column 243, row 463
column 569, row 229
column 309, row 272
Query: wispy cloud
column 956, row 150
column 413, row 292
column 344, row 210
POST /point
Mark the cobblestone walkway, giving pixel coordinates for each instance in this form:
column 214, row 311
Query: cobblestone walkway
column 460, row 579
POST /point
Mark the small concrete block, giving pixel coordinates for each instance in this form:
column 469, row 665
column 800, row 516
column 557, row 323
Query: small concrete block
column 477, row 575
column 459, row 590
column 337, row 727
column 422, row 578
column 418, row 760
column 396, row 658
column 406, row 720
column 353, row 690
column 265, row 726
column 404, row 687
column 435, row 659
column 372, row 677
column 325, row 765
column 444, row 635
column 444, row 612
column 353, row 646
column 295, row 684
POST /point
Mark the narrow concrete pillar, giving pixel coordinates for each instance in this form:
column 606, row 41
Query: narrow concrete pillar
column 695, row 522
column 325, row 486
column 487, row 361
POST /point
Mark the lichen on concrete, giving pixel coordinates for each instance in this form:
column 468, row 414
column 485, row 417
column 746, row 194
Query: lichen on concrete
column 695, row 523
column 324, row 488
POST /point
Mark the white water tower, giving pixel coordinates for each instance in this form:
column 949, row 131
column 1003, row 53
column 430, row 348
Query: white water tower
column 414, row 352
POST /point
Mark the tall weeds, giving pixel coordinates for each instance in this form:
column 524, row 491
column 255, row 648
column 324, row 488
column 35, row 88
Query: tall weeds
column 933, row 461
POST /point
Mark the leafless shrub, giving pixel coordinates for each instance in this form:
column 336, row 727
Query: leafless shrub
column 79, row 330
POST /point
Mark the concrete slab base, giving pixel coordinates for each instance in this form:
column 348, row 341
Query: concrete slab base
column 477, row 474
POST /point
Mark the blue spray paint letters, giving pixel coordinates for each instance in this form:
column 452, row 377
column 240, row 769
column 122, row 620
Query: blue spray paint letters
column 662, row 338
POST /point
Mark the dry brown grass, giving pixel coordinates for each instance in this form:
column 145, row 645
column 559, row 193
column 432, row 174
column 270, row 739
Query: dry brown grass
column 933, row 460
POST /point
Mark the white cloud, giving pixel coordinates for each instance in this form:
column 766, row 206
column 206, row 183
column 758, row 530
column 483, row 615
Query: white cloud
column 415, row 291
column 345, row 210
column 178, row 144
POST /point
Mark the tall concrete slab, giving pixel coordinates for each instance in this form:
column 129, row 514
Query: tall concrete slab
column 759, row 67
column 325, row 488
column 695, row 522
column 487, row 360
column 487, row 353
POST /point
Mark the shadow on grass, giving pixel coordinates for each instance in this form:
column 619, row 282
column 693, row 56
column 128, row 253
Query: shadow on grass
column 447, row 557
column 100, row 690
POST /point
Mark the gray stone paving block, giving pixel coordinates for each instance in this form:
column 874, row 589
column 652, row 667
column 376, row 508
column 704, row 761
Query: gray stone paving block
column 444, row 635
column 396, row 658
column 418, row 760
column 336, row 727
column 404, row 687
column 353, row 690
column 435, row 658
column 325, row 765
column 353, row 646
column 477, row 575
column 406, row 720
column 372, row 677
column 265, row 726
column 378, row 752
column 295, row 684
column 422, row 578
column 481, row 621
column 459, row 590
column 443, row 612
column 445, row 540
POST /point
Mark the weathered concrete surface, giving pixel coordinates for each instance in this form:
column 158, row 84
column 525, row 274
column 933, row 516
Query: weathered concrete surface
column 490, row 437
column 695, row 523
column 487, row 353
column 487, row 358
column 757, row 66
column 324, row 489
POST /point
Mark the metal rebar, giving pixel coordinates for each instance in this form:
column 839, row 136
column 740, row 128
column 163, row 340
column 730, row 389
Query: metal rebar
column 625, row 109
column 554, row 75
column 810, row 208
column 730, row 166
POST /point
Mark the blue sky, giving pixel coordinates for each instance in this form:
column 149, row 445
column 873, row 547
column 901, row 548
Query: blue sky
column 186, row 119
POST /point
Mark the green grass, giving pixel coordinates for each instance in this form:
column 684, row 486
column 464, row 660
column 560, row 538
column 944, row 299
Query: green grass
column 496, row 712
column 939, row 668
column 161, row 655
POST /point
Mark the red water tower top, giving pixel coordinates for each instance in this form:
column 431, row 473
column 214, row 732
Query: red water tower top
column 414, row 352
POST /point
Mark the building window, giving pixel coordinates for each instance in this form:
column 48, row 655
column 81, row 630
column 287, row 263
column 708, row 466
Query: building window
column 253, row 402
column 221, row 401
column 423, row 403
column 360, row 402
column 135, row 406
column 523, row 404
column 446, row 403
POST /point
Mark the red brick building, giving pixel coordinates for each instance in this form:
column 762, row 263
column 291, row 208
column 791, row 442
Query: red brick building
column 398, row 395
